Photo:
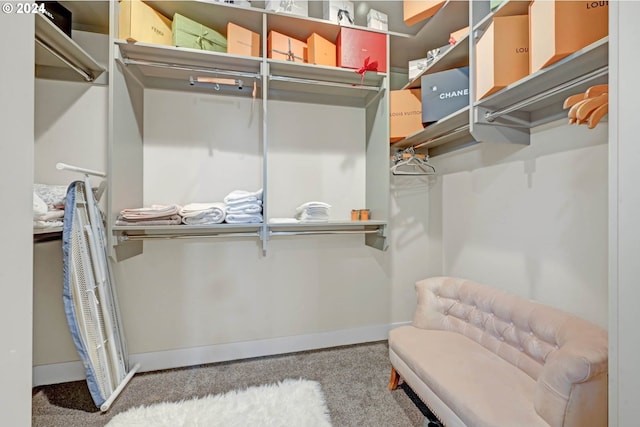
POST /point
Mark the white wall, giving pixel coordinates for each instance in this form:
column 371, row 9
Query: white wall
column 531, row 220
column 624, row 244
column 16, row 152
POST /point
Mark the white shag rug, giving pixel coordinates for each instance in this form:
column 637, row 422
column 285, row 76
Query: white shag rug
column 289, row 403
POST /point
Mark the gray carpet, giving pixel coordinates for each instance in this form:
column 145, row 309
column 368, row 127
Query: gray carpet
column 354, row 380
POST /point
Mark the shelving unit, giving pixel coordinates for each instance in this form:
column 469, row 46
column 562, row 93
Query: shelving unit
column 509, row 114
column 59, row 57
column 141, row 66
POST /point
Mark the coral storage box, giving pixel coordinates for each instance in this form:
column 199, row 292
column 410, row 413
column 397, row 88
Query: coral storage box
column 560, row 28
column 241, row 41
column 320, row 51
column 502, row 54
column 444, row 93
column 285, row 48
column 139, row 22
column 405, row 113
column 419, row 10
column 354, row 46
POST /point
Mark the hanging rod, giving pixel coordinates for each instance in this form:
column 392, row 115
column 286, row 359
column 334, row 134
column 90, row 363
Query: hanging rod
column 490, row 116
column 231, row 73
column 296, row 233
column 464, row 128
column 86, row 75
column 64, row 166
column 322, row 83
column 126, row 237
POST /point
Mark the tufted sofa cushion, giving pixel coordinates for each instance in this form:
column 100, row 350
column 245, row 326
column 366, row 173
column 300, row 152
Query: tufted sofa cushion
column 564, row 357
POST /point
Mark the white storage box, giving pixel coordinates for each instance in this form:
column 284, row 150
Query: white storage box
column 294, row 7
column 339, row 12
column 377, row 20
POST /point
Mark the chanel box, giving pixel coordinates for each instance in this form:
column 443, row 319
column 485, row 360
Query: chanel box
column 502, row 54
column 58, row 14
column 444, row 93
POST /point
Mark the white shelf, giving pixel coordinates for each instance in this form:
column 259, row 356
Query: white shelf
column 455, row 57
column 58, row 56
column 452, row 130
column 136, row 232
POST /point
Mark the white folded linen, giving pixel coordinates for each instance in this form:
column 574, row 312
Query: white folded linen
column 166, row 220
column 284, row 221
column 39, row 206
column 51, row 215
column 46, row 224
column 53, row 195
column 199, row 210
column 204, row 220
column 313, row 212
column 243, row 218
column 241, row 196
column 150, row 212
column 247, row 208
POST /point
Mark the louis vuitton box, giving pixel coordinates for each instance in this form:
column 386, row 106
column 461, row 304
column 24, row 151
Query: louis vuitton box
column 444, row 93
column 405, row 113
column 241, row 41
column 320, row 51
column 559, row 28
column 138, row 22
column 419, row 10
column 502, row 54
column 295, row 7
column 285, row 48
column 192, row 34
column 340, row 12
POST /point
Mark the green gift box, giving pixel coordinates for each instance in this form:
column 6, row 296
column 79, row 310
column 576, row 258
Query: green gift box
column 192, row 34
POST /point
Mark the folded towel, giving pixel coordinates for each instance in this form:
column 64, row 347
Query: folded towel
column 170, row 220
column 53, row 195
column 204, row 220
column 283, row 221
column 39, row 206
column 51, row 215
column 46, row 224
column 151, row 212
column 240, row 196
column 247, row 208
column 313, row 212
column 317, row 205
column 200, row 210
column 243, row 218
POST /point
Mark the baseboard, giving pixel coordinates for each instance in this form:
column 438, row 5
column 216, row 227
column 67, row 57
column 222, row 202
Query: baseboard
column 153, row 361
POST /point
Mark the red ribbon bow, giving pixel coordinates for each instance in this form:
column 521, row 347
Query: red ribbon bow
column 368, row 66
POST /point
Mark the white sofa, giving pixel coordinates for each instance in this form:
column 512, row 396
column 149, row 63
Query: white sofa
column 480, row 357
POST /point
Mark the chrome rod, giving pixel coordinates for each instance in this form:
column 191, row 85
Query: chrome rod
column 88, row 76
column 296, row 233
column 128, row 61
column 323, row 83
column 127, row 237
column 600, row 72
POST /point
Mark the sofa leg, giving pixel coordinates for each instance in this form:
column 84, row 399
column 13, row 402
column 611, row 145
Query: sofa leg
column 395, row 378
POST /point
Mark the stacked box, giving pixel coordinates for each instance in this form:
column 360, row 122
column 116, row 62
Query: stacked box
column 355, row 46
column 192, row 34
column 405, row 113
column 295, row 7
column 419, row 10
column 339, row 12
column 502, row 54
column 320, row 51
column 241, row 41
column 285, row 48
column 140, row 23
column 377, row 20
column 444, row 93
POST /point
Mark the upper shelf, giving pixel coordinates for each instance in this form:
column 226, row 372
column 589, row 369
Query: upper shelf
column 58, row 56
column 538, row 98
column 455, row 57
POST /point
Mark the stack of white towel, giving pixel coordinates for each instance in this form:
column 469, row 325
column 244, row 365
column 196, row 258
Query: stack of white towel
column 152, row 215
column 48, row 205
column 313, row 212
column 203, row 213
column 243, row 207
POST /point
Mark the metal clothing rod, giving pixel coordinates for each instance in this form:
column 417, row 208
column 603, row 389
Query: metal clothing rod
column 295, row 233
column 64, row 166
column 85, row 74
column 126, row 237
column 323, row 83
column 128, row 61
column 492, row 115
column 464, row 128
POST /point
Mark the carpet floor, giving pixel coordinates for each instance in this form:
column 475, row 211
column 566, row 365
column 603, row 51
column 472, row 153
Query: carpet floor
column 354, row 380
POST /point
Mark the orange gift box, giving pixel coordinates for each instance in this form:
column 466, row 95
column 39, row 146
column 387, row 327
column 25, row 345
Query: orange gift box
column 419, row 10
column 138, row 22
column 285, row 48
column 405, row 113
column 502, row 54
column 320, row 51
column 354, row 46
column 241, row 41
column 559, row 28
